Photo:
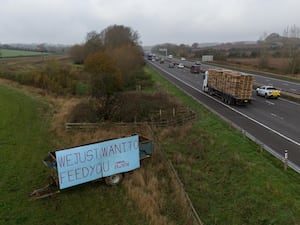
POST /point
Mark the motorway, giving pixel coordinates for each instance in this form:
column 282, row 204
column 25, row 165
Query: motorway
column 287, row 86
column 273, row 123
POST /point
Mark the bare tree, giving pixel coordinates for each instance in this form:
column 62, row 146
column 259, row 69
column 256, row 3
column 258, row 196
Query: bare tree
column 292, row 48
column 195, row 45
column 118, row 35
column 93, row 42
column 77, row 53
column 263, row 36
column 294, row 59
column 292, row 31
column 105, row 75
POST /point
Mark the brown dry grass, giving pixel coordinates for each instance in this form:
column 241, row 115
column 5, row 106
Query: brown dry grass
column 154, row 189
column 275, row 65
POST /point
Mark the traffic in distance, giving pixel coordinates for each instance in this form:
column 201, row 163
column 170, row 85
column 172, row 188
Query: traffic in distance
column 270, row 120
column 232, row 87
column 283, row 85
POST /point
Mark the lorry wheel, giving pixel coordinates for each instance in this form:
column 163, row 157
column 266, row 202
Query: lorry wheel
column 226, row 100
column 114, row 179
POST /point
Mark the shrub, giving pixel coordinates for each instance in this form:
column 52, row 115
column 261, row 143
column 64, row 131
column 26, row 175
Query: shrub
column 86, row 111
column 137, row 106
column 81, row 88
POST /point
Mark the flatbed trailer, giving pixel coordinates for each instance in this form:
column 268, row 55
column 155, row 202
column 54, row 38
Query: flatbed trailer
column 107, row 160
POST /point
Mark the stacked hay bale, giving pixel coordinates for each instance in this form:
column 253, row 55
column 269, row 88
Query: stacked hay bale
column 233, row 83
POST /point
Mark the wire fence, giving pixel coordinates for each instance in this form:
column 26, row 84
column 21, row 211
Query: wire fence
column 193, row 214
column 162, row 119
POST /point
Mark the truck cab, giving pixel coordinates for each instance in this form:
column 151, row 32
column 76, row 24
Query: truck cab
column 205, row 79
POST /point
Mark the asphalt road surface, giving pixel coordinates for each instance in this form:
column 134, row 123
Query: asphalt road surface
column 287, row 86
column 273, row 123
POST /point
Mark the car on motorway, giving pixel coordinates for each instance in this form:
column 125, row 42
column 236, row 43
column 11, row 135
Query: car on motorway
column 182, row 59
column 195, row 68
column 268, row 91
column 180, row 66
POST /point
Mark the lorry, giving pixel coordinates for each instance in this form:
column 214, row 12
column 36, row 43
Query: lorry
column 232, row 87
column 109, row 160
column 149, row 56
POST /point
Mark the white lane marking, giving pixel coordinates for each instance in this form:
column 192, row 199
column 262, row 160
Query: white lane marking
column 293, row 89
column 276, row 116
column 269, row 103
column 242, row 114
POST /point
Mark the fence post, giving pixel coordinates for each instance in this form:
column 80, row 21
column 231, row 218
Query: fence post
column 138, row 87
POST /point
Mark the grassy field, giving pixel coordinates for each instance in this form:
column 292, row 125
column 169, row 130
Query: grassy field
column 8, row 53
column 229, row 180
column 24, row 141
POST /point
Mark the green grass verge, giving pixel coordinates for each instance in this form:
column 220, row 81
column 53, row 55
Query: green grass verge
column 24, row 141
column 8, row 53
column 229, row 180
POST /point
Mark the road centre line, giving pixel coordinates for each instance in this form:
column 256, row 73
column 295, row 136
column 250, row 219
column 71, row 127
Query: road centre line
column 276, row 116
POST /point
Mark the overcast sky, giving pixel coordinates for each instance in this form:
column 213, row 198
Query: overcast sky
column 156, row 21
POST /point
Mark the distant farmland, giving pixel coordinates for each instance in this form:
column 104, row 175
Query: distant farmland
column 8, row 53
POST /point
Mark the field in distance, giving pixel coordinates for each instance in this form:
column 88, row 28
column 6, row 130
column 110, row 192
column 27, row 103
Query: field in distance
column 7, row 53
